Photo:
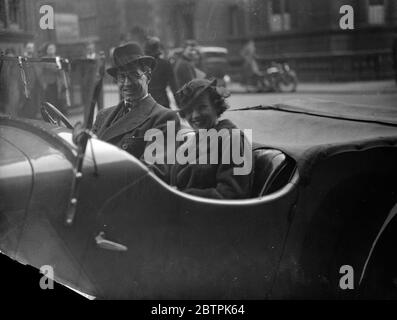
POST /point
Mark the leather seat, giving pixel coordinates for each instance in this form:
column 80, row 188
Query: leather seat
column 269, row 165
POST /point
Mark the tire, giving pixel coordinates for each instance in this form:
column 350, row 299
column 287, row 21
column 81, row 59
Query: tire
column 288, row 82
column 274, row 82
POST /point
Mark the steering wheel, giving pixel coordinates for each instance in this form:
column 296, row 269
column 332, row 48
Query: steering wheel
column 52, row 115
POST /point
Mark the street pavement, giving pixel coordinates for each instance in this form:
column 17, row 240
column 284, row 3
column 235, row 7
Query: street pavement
column 375, row 93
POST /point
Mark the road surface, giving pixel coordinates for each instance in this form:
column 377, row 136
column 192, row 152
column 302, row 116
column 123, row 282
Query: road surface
column 367, row 93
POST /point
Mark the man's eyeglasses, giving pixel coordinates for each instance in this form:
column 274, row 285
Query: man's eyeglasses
column 122, row 76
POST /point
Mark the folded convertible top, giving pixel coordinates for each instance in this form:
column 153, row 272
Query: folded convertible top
column 309, row 129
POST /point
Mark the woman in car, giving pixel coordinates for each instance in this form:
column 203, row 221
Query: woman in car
column 202, row 103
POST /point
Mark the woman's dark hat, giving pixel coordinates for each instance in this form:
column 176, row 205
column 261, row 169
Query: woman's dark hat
column 127, row 55
column 193, row 89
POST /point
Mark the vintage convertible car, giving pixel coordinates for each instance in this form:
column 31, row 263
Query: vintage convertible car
column 323, row 201
column 324, row 198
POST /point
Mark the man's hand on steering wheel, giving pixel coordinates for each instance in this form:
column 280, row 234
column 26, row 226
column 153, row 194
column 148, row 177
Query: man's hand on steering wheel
column 52, row 115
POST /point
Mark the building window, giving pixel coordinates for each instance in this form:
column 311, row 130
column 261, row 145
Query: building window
column 188, row 21
column 10, row 14
column 280, row 16
column 88, row 26
column 13, row 7
column 376, row 12
column 236, row 21
column 233, row 22
column 2, row 15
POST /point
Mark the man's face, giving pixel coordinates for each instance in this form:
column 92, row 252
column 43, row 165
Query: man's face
column 30, row 48
column 133, row 84
column 90, row 48
column 51, row 50
column 190, row 52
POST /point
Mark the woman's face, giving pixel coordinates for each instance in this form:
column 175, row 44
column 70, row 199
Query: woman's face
column 51, row 50
column 203, row 114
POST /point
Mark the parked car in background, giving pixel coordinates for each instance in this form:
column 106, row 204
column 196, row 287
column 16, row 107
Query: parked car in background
column 213, row 61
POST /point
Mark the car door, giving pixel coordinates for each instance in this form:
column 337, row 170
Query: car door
column 155, row 242
column 42, row 237
column 16, row 183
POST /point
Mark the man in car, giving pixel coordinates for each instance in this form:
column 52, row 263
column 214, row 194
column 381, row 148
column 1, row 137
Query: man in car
column 125, row 125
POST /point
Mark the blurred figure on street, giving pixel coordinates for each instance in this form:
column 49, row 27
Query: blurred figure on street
column 52, row 80
column 162, row 75
column 125, row 38
column 31, row 106
column 395, row 58
column 30, row 50
column 200, row 74
column 250, row 65
column 184, row 67
column 20, row 86
column 90, row 51
column 90, row 74
column 10, row 52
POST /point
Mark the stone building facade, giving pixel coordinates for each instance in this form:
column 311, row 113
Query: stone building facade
column 305, row 33
column 16, row 24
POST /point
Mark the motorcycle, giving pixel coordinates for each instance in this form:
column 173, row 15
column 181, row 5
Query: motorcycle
column 278, row 77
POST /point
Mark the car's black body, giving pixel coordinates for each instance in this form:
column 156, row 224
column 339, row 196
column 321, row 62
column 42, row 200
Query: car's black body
column 326, row 200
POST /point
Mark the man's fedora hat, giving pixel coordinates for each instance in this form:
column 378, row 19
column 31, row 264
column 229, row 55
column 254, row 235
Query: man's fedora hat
column 125, row 56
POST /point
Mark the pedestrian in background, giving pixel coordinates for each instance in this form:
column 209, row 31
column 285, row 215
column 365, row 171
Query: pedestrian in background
column 10, row 52
column 184, row 66
column 90, row 74
column 197, row 60
column 250, row 65
column 20, row 98
column 162, row 75
column 31, row 105
column 395, row 58
column 30, row 50
column 52, row 80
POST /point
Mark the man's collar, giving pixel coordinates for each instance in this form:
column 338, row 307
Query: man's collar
column 131, row 104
